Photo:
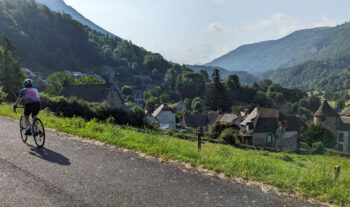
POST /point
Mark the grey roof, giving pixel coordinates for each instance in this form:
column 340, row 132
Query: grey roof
column 228, row 118
column 195, row 120
column 266, row 125
column 162, row 107
column 345, row 123
column 93, row 93
column 326, row 110
column 212, row 116
column 346, row 112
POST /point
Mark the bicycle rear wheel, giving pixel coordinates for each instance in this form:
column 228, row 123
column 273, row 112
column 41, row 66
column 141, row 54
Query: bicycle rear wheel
column 22, row 127
column 39, row 133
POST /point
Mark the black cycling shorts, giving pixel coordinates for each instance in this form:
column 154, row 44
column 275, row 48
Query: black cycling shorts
column 32, row 109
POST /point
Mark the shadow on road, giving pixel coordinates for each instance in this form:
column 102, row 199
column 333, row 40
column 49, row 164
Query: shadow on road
column 49, row 155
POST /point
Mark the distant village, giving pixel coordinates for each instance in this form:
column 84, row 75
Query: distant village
column 259, row 127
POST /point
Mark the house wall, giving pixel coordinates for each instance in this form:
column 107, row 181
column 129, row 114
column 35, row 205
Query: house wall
column 288, row 141
column 343, row 143
column 260, row 140
column 167, row 117
column 113, row 98
column 329, row 122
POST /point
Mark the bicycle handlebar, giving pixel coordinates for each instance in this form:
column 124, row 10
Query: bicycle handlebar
column 17, row 107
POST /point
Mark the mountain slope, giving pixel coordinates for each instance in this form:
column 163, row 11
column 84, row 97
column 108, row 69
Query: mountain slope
column 296, row 48
column 61, row 7
column 333, row 74
column 244, row 77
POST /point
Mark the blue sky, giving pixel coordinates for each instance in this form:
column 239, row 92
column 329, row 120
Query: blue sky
column 197, row 31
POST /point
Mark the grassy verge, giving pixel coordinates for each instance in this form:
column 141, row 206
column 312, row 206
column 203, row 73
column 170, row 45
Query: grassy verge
column 309, row 175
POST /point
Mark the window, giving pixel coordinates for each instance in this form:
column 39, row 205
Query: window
column 341, row 137
column 269, row 139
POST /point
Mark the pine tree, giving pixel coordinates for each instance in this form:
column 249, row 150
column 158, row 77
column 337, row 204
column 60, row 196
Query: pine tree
column 11, row 75
column 216, row 98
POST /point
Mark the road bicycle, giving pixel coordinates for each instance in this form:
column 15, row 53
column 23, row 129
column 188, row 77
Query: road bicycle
column 37, row 129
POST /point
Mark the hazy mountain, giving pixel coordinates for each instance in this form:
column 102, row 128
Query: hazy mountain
column 296, row 48
column 61, row 7
column 244, row 77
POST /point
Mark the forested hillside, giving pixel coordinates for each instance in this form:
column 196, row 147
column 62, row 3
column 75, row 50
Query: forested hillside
column 244, row 77
column 296, row 48
column 50, row 41
column 333, row 74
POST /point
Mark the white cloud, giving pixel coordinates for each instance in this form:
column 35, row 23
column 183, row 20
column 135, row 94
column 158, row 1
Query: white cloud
column 325, row 22
column 221, row 38
column 279, row 22
column 215, row 27
column 219, row 1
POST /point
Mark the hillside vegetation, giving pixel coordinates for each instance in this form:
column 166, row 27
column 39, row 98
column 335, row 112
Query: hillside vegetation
column 333, row 75
column 310, row 175
column 50, row 41
column 244, row 77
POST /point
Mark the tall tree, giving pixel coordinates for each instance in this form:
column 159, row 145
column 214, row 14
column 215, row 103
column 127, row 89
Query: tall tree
column 216, row 93
column 11, row 75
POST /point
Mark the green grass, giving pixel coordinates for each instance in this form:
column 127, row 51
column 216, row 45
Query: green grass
column 310, row 175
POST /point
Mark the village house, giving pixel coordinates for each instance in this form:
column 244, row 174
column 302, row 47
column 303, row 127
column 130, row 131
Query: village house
column 230, row 118
column 195, row 121
column 93, row 93
column 265, row 127
column 339, row 124
column 163, row 116
column 181, row 106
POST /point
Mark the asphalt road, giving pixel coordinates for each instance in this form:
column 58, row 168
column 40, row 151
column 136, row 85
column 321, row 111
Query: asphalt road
column 73, row 172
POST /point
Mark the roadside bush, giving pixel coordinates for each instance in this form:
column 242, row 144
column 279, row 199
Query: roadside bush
column 317, row 148
column 228, row 135
column 3, row 95
column 217, row 128
column 319, row 133
column 74, row 107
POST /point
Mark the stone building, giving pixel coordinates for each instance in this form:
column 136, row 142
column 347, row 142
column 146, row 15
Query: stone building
column 339, row 124
column 265, row 127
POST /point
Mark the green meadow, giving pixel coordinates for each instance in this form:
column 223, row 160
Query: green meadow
column 309, row 175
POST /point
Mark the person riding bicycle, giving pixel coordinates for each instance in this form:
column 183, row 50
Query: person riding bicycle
column 31, row 98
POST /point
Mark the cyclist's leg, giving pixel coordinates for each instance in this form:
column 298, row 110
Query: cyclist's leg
column 35, row 112
column 26, row 119
column 27, row 112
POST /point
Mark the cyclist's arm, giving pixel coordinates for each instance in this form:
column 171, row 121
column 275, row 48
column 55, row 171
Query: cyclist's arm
column 19, row 100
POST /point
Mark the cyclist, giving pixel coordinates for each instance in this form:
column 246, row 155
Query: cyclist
column 31, row 99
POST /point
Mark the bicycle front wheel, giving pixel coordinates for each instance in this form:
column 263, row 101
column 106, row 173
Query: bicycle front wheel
column 39, row 133
column 22, row 128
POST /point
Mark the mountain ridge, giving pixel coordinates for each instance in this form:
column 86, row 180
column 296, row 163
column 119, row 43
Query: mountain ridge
column 257, row 58
column 61, row 7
